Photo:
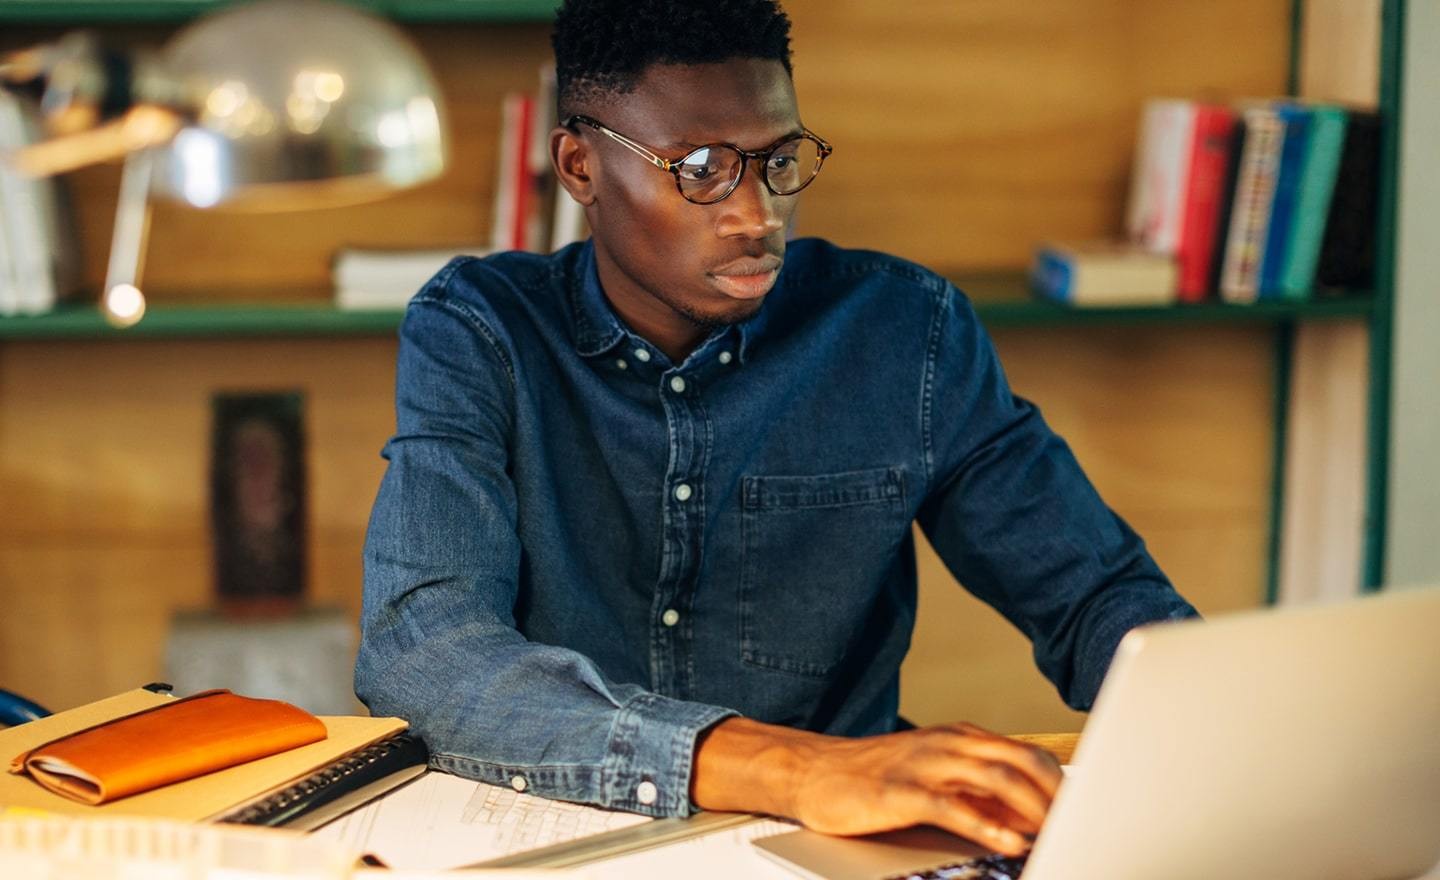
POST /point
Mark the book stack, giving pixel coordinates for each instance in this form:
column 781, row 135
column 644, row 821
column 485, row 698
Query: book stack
column 38, row 265
column 1265, row 200
column 368, row 279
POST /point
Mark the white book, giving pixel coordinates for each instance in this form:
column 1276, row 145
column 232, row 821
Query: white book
column 11, row 136
column 32, row 223
column 387, row 279
column 9, row 288
column 1156, row 212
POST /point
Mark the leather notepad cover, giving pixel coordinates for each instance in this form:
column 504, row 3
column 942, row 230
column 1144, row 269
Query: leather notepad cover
column 187, row 738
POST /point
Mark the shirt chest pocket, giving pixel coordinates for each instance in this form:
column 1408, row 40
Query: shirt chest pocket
column 816, row 553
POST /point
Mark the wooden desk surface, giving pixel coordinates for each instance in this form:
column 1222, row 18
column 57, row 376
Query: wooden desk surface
column 1061, row 745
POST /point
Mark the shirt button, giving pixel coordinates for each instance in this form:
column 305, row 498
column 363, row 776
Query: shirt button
column 642, row 355
column 622, row 364
column 518, row 782
column 646, row 793
column 670, row 617
column 726, row 357
column 677, row 385
column 683, row 492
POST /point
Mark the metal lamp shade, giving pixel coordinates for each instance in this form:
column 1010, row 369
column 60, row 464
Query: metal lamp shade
column 298, row 104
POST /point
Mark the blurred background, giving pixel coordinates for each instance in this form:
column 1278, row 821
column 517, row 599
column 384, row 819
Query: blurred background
column 1270, row 452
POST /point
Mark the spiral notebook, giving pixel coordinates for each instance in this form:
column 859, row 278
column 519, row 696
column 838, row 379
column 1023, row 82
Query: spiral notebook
column 361, row 758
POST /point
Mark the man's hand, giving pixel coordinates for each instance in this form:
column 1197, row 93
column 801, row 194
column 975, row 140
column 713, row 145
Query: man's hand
column 992, row 790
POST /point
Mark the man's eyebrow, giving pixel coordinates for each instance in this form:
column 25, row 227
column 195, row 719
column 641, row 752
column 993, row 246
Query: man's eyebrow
column 690, row 145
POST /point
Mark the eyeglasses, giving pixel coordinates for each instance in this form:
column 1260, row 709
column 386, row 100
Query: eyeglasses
column 707, row 174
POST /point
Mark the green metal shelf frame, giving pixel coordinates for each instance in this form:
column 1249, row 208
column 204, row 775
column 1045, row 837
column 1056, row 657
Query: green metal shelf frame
column 79, row 12
column 1380, row 318
column 321, row 319
column 1382, row 323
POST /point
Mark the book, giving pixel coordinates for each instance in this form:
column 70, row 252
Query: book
column 1104, row 273
column 1157, row 187
column 1253, row 199
column 1312, row 205
column 1206, row 194
column 1347, row 251
column 1296, row 120
column 1178, row 186
column 541, row 201
column 38, row 263
column 251, row 792
column 513, row 193
column 387, row 279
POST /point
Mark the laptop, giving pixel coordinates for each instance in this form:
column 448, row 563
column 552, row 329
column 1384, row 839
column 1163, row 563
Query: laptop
column 1274, row 744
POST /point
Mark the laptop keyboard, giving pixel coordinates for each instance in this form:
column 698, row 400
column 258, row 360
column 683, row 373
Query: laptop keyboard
column 996, row 867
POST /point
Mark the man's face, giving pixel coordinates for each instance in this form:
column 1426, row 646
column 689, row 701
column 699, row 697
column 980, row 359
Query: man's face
column 673, row 262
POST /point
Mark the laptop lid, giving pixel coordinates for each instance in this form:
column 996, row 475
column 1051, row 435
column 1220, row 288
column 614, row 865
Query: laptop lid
column 1287, row 743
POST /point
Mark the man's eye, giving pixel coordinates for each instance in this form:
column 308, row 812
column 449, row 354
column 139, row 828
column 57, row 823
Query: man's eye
column 696, row 172
column 780, row 163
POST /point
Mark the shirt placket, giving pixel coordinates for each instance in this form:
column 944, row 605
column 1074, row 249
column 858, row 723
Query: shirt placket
column 682, row 515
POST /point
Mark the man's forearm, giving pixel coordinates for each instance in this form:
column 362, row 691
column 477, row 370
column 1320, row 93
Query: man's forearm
column 745, row 766
column 993, row 790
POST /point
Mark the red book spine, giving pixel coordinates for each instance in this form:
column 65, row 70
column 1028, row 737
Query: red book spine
column 1203, row 198
column 521, row 172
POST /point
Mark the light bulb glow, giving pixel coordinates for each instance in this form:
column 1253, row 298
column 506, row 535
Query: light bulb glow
column 124, row 305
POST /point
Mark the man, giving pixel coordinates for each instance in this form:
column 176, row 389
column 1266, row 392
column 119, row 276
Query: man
column 644, row 540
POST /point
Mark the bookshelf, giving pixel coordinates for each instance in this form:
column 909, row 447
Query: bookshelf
column 1177, row 413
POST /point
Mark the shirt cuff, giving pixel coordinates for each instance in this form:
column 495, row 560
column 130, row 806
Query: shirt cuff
column 651, row 753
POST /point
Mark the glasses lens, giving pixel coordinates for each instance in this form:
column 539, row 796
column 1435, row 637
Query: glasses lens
column 708, row 174
column 792, row 164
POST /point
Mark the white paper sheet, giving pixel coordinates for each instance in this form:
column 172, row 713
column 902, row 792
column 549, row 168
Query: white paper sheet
column 722, row 855
column 441, row 821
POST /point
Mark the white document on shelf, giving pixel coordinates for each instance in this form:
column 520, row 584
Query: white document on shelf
column 441, row 821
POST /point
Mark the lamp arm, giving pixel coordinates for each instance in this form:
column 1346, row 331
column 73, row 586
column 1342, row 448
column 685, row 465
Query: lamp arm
column 142, row 126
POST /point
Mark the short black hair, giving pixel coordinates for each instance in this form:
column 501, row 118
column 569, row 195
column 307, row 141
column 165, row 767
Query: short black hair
column 602, row 47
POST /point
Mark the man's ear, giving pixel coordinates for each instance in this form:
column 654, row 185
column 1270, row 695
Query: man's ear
column 571, row 158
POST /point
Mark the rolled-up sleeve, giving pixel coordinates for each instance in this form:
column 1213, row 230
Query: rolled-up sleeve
column 439, row 644
column 1019, row 524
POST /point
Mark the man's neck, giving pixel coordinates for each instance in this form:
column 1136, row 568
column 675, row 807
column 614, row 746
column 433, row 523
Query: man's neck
column 646, row 315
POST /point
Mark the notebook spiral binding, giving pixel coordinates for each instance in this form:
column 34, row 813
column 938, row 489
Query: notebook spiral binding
column 342, row 786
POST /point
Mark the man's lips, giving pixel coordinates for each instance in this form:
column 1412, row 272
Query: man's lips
column 749, row 278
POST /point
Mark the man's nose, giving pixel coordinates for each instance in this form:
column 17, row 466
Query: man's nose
column 751, row 210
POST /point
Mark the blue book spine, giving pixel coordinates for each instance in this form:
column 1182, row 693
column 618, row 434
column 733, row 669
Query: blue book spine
column 1287, row 188
column 1053, row 277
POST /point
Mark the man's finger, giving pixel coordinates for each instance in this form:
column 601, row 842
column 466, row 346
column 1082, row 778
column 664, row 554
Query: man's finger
column 959, row 816
column 998, row 812
column 995, row 779
column 1033, row 761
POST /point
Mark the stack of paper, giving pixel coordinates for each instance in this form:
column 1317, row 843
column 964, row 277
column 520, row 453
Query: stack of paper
column 387, row 279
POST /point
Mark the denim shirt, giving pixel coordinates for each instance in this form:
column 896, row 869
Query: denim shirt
column 583, row 555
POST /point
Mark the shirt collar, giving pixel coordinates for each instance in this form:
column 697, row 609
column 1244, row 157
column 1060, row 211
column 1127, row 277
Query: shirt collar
column 598, row 329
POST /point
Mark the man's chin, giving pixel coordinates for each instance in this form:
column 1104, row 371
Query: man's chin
column 734, row 314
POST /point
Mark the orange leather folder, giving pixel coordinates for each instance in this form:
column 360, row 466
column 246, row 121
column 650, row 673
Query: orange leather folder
column 180, row 740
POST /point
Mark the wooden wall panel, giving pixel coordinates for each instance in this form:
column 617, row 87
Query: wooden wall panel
column 965, row 132
column 1173, row 427
column 104, row 457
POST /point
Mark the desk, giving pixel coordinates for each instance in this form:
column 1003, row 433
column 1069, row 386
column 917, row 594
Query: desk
column 1061, row 745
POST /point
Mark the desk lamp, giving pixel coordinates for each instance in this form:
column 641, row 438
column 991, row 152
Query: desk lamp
column 264, row 106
